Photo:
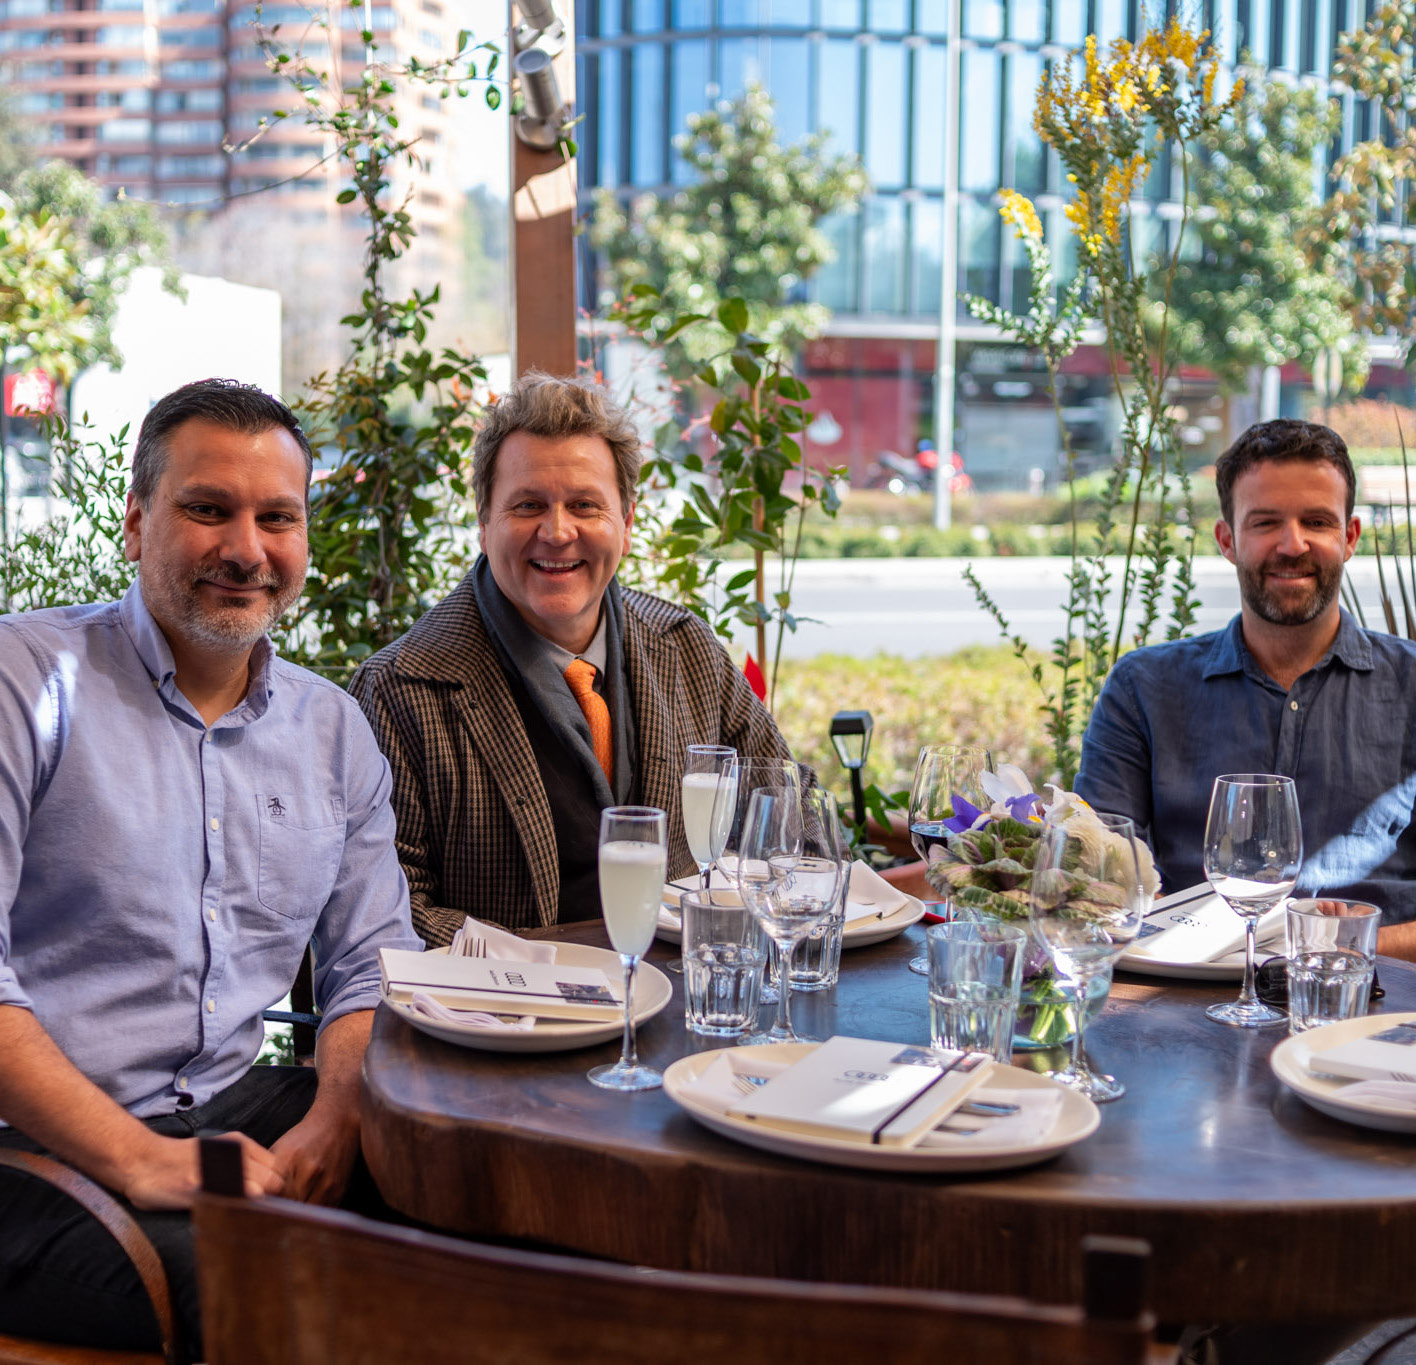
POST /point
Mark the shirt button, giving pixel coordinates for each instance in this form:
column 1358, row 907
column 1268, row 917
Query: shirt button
column 206, row 738
column 1292, row 705
column 215, row 823
column 211, row 915
column 181, row 1082
column 211, row 1006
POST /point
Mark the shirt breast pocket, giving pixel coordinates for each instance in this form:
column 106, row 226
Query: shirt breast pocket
column 302, row 841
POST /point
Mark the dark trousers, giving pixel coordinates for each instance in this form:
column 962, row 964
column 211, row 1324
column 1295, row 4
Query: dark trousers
column 64, row 1278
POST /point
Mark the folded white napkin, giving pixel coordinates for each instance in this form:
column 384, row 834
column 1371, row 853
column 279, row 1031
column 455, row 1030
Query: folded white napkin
column 500, row 944
column 870, row 895
column 1194, row 926
column 1038, row 1111
column 716, row 1089
column 433, row 1009
column 1383, row 1094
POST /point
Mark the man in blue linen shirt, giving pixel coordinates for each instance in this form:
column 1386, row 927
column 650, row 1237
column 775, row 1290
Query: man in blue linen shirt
column 181, row 813
column 1291, row 686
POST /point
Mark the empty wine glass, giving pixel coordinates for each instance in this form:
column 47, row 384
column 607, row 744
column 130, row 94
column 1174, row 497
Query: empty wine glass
column 708, row 804
column 1253, row 853
column 633, row 860
column 1086, row 904
column 742, row 778
column 943, row 771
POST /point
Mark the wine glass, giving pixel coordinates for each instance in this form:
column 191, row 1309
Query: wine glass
column 743, row 777
column 708, row 804
column 633, row 861
column 1253, row 853
column 942, row 772
column 787, row 893
column 1086, row 904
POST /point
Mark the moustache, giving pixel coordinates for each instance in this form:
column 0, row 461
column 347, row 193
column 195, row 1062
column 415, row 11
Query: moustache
column 229, row 576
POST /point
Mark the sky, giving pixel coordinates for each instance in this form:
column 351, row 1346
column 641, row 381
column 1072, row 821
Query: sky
column 484, row 153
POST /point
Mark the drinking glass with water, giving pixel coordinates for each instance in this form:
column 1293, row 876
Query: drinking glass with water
column 1332, row 953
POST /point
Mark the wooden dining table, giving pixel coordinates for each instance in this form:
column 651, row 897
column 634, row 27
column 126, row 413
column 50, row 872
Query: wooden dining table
column 1258, row 1208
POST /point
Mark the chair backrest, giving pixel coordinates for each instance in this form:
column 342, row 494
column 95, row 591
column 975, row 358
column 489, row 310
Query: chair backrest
column 286, row 1284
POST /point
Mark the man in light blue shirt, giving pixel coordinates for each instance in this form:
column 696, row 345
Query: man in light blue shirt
column 1291, row 686
column 181, row 814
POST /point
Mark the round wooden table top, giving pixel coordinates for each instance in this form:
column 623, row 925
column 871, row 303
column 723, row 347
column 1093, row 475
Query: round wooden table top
column 1257, row 1207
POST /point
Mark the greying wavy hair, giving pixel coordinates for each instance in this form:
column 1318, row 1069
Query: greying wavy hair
column 547, row 406
column 222, row 402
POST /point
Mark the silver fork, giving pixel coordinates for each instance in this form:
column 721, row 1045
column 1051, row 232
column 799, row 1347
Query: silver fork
column 746, row 1083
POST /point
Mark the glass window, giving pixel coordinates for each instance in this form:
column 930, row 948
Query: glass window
column 1225, row 29
column 836, row 284
column 1027, row 20
column 125, row 36
column 983, row 18
column 1069, row 22
column 189, row 130
column 838, row 94
column 928, row 273
column 932, row 17
column 1063, row 242
column 1110, row 20
column 885, row 255
column 738, row 14
column 607, row 131
column 739, row 65
column 790, row 13
column 840, row 14
column 787, row 79
column 125, row 130
column 647, row 126
column 978, row 249
column 927, row 151
column 690, row 14
column 889, row 16
column 1016, row 273
column 1029, row 166
column 647, row 15
column 611, row 18
column 691, row 75
column 886, row 93
column 1257, row 38
column 978, row 121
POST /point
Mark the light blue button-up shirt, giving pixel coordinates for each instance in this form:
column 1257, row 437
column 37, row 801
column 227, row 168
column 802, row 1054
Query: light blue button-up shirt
column 159, row 878
column 1173, row 717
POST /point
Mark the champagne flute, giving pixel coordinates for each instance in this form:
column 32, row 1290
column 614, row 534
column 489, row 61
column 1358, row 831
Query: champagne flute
column 743, row 777
column 770, row 853
column 633, row 862
column 1253, row 853
column 942, row 772
column 708, row 804
column 1086, row 904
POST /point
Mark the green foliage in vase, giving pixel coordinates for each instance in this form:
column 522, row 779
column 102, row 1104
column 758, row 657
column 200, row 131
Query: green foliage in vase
column 1258, row 282
column 1108, row 121
column 746, row 228
column 390, row 525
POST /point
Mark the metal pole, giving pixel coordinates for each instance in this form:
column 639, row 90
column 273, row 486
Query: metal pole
column 949, row 259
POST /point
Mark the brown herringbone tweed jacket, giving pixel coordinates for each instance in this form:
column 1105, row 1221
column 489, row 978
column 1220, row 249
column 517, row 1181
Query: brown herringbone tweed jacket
column 474, row 827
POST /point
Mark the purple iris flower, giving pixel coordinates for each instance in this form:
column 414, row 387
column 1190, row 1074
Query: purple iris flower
column 964, row 816
column 1021, row 807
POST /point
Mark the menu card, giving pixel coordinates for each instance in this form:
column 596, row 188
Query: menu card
column 1195, row 925
column 551, row 990
column 1386, row 1056
column 860, row 1090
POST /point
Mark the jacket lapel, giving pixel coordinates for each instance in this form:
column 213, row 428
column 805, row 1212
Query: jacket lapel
column 652, row 667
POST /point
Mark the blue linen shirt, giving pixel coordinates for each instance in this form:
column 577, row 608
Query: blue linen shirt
column 1173, row 717
column 160, row 879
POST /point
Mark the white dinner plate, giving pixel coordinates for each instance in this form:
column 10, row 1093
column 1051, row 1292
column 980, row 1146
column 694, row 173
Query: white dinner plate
column 651, row 993
column 1290, row 1064
column 1227, row 968
column 858, row 933
column 1077, row 1119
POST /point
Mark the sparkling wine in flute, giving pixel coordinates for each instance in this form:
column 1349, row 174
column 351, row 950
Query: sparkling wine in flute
column 631, row 884
column 700, row 791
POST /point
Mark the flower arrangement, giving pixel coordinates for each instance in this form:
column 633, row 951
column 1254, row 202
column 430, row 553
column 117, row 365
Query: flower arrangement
column 985, row 865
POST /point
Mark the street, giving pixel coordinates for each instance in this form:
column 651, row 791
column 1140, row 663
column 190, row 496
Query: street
column 914, row 607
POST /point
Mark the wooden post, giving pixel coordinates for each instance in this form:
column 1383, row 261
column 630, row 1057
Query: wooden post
column 543, row 238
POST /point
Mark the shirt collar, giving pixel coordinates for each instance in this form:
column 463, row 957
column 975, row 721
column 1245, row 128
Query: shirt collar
column 156, row 656
column 1229, row 654
column 596, row 652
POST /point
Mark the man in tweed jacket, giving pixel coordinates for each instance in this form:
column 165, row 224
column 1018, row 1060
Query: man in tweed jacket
column 488, row 746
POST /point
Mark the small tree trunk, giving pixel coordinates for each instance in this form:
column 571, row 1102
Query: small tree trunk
column 759, row 522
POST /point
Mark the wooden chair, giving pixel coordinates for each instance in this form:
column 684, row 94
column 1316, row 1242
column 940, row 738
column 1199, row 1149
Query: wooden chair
column 128, row 1235
column 286, row 1284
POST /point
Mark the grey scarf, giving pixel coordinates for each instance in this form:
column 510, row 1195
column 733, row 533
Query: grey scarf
column 523, row 654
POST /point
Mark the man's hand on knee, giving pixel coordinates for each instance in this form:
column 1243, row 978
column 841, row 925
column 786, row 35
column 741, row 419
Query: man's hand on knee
column 318, row 1154
column 166, row 1173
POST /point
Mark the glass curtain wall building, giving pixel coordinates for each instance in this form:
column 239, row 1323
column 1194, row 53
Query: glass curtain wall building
column 872, row 75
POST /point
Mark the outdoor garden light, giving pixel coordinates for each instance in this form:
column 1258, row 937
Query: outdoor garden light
column 850, row 735
column 546, row 113
column 538, row 14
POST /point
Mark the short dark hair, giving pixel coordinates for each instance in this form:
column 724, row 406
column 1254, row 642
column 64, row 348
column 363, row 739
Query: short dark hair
column 224, row 402
column 1284, row 438
column 551, row 407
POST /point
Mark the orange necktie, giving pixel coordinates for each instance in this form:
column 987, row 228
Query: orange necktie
column 581, row 678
